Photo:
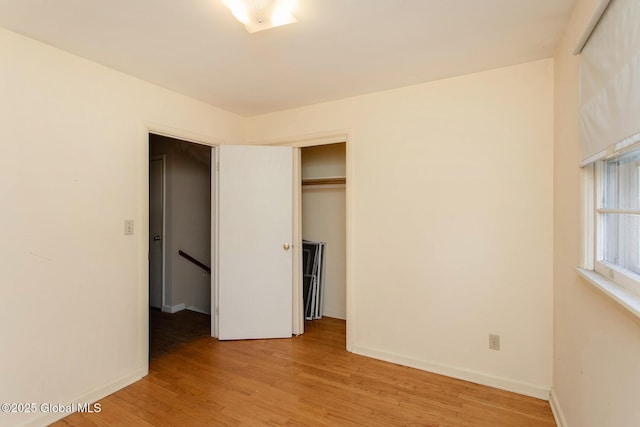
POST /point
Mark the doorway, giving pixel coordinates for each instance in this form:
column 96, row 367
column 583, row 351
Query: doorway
column 299, row 143
column 323, row 170
column 179, row 242
column 211, row 146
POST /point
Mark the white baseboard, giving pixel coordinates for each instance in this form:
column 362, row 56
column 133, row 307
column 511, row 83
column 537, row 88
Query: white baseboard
column 197, row 310
column 89, row 397
column 334, row 314
column 561, row 421
column 173, row 308
column 519, row 387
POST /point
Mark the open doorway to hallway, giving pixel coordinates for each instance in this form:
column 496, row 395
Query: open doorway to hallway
column 179, row 243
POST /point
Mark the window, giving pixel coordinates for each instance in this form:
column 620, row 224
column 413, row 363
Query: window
column 618, row 219
column 609, row 124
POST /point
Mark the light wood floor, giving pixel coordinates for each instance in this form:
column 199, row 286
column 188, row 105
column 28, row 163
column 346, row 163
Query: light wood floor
column 308, row 380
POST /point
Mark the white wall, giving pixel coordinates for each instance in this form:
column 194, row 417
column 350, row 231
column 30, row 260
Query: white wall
column 596, row 379
column 72, row 169
column 451, row 221
column 188, row 222
column 324, row 219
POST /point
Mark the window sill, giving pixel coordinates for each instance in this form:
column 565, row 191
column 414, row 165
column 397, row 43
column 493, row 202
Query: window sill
column 614, row 291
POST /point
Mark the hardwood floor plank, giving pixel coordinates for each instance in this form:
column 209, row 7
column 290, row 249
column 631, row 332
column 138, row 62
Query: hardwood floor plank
column 308, row 380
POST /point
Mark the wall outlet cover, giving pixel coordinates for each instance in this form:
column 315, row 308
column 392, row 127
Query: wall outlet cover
column 494, row 342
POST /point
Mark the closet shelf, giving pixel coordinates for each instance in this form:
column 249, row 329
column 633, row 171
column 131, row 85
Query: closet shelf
column 335, row 180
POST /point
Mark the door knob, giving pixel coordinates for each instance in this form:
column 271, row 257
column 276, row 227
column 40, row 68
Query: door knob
column 286, row 246
column 156, row 237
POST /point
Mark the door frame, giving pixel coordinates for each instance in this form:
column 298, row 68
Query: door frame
column 147, row 128
column 163, row 179
column 312, row 140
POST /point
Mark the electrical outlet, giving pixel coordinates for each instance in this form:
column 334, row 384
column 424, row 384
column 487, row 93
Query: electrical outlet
column 494, row 342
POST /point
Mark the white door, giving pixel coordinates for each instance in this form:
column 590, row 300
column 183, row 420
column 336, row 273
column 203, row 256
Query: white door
column 156, row 204
column 255, row 214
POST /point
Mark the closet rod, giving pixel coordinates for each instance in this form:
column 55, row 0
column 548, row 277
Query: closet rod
column 324, row 181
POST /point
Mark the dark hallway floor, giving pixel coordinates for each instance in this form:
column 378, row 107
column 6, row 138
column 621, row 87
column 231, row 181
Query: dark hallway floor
column 169, row 331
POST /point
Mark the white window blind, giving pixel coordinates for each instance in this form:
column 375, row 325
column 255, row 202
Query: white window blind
column 610, row 82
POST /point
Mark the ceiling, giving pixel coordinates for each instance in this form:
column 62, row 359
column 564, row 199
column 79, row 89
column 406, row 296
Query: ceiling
column 338, row 48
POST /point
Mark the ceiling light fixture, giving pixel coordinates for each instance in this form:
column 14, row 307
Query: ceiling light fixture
column 258, row 15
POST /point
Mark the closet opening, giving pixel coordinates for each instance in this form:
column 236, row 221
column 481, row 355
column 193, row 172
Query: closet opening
column 323, row 224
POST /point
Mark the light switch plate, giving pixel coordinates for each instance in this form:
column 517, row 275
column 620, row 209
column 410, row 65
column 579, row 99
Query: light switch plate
column 128, row 227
